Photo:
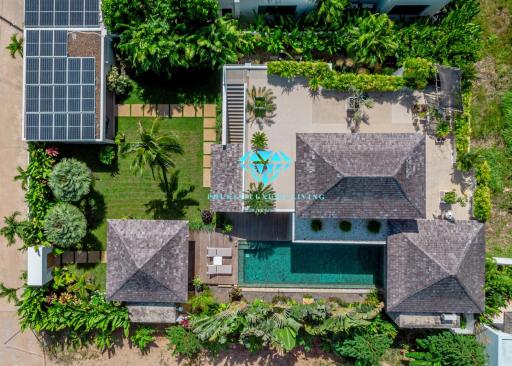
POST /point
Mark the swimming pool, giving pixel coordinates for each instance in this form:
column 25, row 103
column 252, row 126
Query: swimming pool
column 286, row 264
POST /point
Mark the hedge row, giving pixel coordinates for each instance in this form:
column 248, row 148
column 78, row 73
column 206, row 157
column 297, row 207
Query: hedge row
column 319, row 74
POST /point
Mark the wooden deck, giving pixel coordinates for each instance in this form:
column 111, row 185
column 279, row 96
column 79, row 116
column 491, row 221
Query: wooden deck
column 200, row 240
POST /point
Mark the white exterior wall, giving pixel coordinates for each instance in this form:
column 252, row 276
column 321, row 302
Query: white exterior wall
column 38, row 273
column 246, row 8
column 498, row 346
column 385, row 6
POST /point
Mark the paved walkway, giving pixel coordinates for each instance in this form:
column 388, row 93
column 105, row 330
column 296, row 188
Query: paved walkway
column 15, row 348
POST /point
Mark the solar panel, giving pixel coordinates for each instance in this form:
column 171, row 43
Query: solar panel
column 62, row 13
column 60, row 91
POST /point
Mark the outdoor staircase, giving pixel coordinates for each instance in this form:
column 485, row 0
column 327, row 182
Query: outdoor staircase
column 235, row 103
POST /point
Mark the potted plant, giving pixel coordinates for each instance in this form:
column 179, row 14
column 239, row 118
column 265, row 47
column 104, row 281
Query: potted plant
column 374, row 226
column 316, row 225
column 450, row 198
column 345, row 226
column 443, row 130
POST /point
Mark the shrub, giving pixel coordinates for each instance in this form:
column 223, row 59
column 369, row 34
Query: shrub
column 367, row 349
column 483, row 173
column 70, row 180
column 506, row 108
column 118, row 82
column 142, row 338
column 207, row 217
column 260, row 198
column 345, row 226
column 450, row 349
column 482, row 203
column 316, row 225
column 107, row 155
column 442, row 129
column 418, row 72
column 235, row 294
column 450, row 198
column 227, row 229
column 203, row 302
column 65, row 225
column 374, row 226
column 319, row 75
column 183, row 342
column 198, row 284
column 16, row 46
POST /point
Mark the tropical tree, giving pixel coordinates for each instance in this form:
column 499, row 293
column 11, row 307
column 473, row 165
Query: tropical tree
column 142, row 338
column 154, row 150
column 260, row 198
column 9, row 293
column 13, row 228
column 371, row 39
column 65, row 225
column 261, row 105
column 16, row 46
column 329, row 12
column 70, row 180
column 259, row 141
column 367, row 349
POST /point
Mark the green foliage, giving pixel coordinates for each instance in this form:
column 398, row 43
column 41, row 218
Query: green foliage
column 153, row 150
column 260, row 105
column 462, row 132
column 483, row 173
column 500, row 163
column 107, row 155
column 367, row 349
column 142, row 338
column 198, row 283
column 450, row 197
column 204, row 302
column 498, row 289
column 371, row 39
column 452, row 39
column 183, row 342
column 118, row 82
column 16, row 46
column 13, row 228
column 418, row 72
column 506, row 108
column 330, row 13
column 9, row 293
column 345, row 226
column 164, row 36
column 259, row 141
column 316, row 225
column 69, row 305
column 443, row 129
column 374, row 226
column 65, row 225
column 448, row 349
column 319, row 75
column 482, row 203
column 70, row 180
column 260, row 198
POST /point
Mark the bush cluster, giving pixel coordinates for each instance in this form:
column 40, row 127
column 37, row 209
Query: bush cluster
column 70, row 180
column 482, row 203
column 418, row 72
column 65, row 225
column 118, row 82
column 320, row 75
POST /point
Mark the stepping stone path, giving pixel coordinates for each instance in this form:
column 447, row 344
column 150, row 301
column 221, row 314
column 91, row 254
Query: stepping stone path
column 207, row 111
column 71, row 257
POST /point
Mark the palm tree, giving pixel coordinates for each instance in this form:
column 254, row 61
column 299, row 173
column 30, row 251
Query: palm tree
column 261, row 105
column 260, row 198
column 9, row 293
column 259, row 141
column 153, row 150
column 12, row 228
column 16, row 46
column 372, row 39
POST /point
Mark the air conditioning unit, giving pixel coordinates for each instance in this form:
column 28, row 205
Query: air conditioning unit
column 449, row 318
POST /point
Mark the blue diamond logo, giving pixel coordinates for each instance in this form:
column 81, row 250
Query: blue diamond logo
column 265, row 165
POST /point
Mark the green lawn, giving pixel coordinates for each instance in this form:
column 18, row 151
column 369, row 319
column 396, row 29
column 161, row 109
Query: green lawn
column 119, row 193
column 97, row 272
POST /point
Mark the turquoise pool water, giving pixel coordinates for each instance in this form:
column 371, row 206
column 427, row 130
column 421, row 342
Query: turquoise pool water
column 285, row 264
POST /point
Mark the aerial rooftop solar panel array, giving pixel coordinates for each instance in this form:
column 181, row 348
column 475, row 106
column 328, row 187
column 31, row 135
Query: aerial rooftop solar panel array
column 62, row 13
column 60, row 91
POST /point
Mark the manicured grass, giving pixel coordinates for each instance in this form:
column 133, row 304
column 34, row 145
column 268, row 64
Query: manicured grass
column 119, row 193
column 185, row 87
column 97, row 272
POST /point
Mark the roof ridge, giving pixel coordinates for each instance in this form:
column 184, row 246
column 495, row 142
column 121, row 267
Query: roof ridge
column 430, row 284
column 405, row 195
column 408, row 154
column 142, row 271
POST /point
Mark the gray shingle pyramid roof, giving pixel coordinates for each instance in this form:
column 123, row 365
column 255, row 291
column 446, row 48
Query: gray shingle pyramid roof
column 367, row 176
column 435, row 266
column 147, row 260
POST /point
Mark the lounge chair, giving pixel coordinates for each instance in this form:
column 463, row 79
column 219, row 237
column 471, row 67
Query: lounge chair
column 211, row 252
column 211, row 270
column 224, row 252
column 225, row 269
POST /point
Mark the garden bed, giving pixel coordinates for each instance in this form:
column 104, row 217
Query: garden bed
column 119, row 193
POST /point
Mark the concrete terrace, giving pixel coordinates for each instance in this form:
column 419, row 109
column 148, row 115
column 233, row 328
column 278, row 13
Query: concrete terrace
column 301, row 111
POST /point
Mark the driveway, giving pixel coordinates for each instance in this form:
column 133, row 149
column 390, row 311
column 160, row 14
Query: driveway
column 15, row 348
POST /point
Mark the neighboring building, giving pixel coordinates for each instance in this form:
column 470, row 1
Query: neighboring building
column 66, row 57
column 389, row 171
column 148, row 267
column 246, row 8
